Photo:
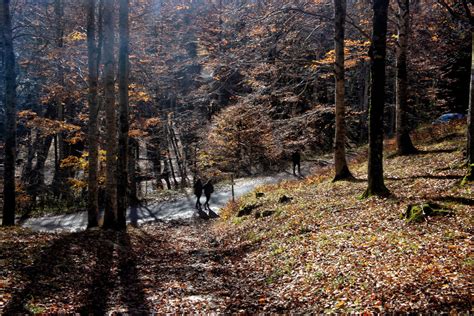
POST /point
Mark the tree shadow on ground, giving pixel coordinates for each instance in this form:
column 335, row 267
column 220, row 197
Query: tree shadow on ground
column 201, row 270
column 428, row 176
column 453, row 199
column 419, row 152
column 437, row 151
column 356, row 180
column 132, row 295
column 78, row 270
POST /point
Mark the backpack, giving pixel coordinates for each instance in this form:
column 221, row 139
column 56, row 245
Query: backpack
column 208, row 187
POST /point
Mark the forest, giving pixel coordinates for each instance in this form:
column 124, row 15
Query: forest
column 332, row 142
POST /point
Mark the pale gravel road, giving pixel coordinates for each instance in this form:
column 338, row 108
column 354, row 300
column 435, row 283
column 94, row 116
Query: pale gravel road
column 181, row 208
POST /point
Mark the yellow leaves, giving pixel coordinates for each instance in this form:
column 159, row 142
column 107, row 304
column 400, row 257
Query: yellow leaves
column 70, row 161
column 354, row 51
column 75, row 139
column 137, row 94
column 143, row 96
column 76, row 36
column 77, row 184
column 340, row 304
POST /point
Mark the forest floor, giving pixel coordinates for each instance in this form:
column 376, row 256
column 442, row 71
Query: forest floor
column 321, row 250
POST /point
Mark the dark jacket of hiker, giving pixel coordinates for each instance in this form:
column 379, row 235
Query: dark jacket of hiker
column 198, row 192
column 208, row 188
column 296, row 158
column 198, row 188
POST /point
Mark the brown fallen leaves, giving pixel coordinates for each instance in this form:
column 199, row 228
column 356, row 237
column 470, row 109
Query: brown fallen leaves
column 324, row 251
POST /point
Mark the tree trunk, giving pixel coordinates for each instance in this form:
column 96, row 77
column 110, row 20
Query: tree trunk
column 123, row 117
column 342, row 170
column 470, row 116
column 377, row 55
column 404, row 143
column 170, row 164
column 179, row 159
column 110, row 216
column 59, row 173
column 153, row 150
column 93, row 190
column 9, row 203
column 32, row 145
column 132, row 173
column 36, row 181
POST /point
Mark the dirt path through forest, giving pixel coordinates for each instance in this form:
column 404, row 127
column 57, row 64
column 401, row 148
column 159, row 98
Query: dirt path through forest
column 160, row 268
column 180, row 208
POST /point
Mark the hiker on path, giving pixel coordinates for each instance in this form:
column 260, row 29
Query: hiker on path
column 296, row 158
column 198, row 192
column 208, row 190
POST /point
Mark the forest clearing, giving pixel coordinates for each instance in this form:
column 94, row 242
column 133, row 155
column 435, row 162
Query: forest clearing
column 236, row 157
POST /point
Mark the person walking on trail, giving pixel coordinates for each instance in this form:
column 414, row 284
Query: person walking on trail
column 208, row 190
column 198, row 192
column 296, row 158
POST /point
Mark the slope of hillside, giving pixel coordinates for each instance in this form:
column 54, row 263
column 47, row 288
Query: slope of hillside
column 326, row 250
column 320, row 250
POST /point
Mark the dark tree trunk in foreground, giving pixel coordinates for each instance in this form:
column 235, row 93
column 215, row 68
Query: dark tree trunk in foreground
column 122, row 188
column 342, row 170
column 110, row 216
column 9, row 203
column 470, row 116
column 377, row 55
column 404, row 143
column 93, row 195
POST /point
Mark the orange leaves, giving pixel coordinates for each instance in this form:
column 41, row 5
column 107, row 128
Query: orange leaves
column 49, row 126
column 136, row 133
column 152, row 122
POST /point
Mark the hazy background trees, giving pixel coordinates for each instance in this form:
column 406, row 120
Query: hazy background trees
column 195, row 65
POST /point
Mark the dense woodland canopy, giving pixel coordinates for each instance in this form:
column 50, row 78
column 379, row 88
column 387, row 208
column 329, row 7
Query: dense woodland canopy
column 206, row 88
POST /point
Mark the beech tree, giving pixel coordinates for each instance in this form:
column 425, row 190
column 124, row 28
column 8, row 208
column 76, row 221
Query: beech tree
column 342, row 170
column 404, row 143
column 122, row 192
column 9, row 203
column 377, row 54
column 93, row 159
column 110, row 216
column 59, row 143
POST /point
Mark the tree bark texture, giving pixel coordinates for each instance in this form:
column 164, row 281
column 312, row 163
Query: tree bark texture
column 470, row 116
column 340, row 162
column 9, row 202
column 404, row 143
column 123, row 154
column 59, row 173
column 93, row 159
column 377, row 55
column 110, row 215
